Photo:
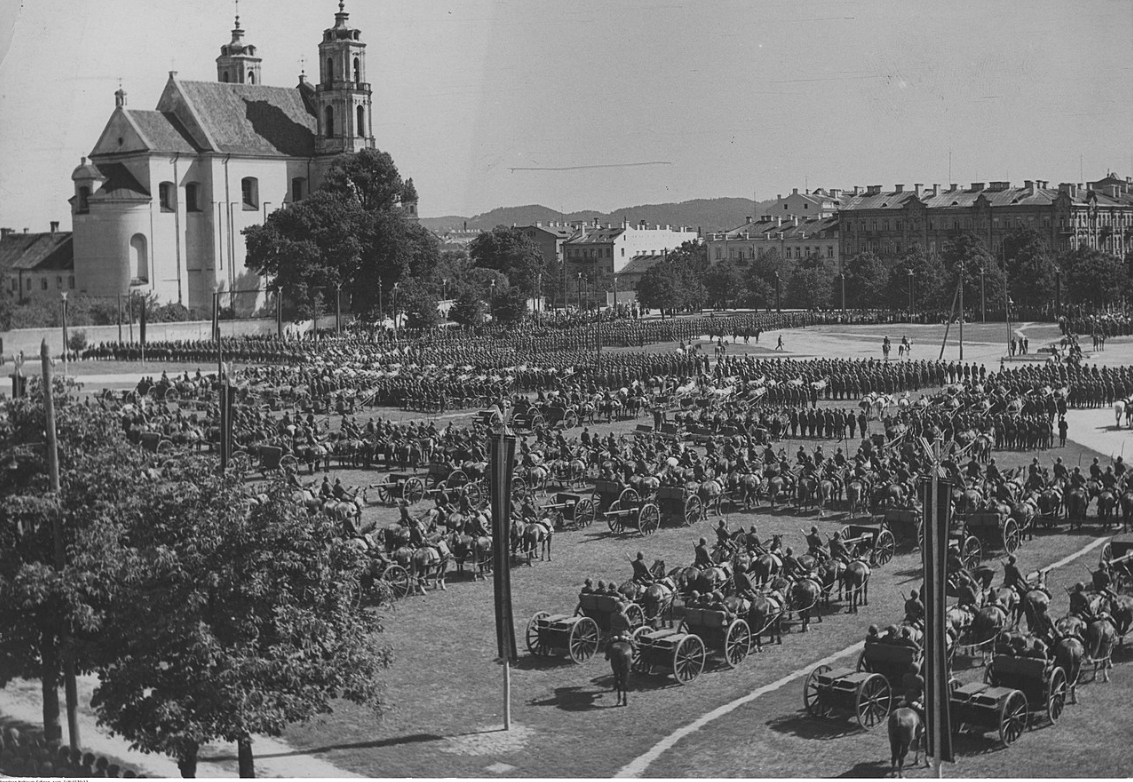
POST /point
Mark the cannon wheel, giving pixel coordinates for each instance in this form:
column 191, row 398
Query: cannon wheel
column 883, row 547
column 474, row 493
column 628, row 496
column 518, row 489
column 813, row 699
column 536, row 421
column 535, row 643
column 172, row 397
column 583, row 640
column 383, row 493
column 648, row 518
column 694, row 510
column 636, row 616
column 639, row 663
column 872, row 701
column 971, row 552
column 570, row 419
column 688, row 658
column 614, row 519
column 1012, row 718
column 1056, row 695
column 737, row 643
column 413, row 490
column 398, row 579
column 1107, row 553
column 1012, row 535
column 584, row 513
column 288, row 463
column 457, row 479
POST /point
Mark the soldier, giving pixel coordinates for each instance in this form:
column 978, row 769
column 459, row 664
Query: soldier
column 914, row 609
column 641, row 574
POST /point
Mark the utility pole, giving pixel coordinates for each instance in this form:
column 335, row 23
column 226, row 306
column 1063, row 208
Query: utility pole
column 67, row 652
column 961, row 310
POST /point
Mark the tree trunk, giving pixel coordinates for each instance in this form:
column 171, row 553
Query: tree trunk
column 187, row 763
column 49, row 676
column 247, row 762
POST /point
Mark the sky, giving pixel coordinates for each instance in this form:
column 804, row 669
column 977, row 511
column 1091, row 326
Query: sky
column 594, row 104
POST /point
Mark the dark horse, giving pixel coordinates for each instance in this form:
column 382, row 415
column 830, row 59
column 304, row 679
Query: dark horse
column 905, row 730
column 620, row 655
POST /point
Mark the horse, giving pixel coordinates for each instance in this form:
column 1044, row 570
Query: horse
column 1126, row 503
column 656, row 599
column 1035, row 603
column 430, row 562
column 1107, row 502
column 620, row 654
column 855, row 580
column 1101, row 637
column 711, row 492
column 1069, row 653
column 537, row 537
column 905, row 730
column 1076, row 503
column 855, row 495
column 765, row 615
column 805, row 595
column 1118, row 411
column 767, row 564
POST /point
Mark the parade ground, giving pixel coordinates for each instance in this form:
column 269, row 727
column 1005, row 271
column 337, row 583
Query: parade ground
column 443, row 702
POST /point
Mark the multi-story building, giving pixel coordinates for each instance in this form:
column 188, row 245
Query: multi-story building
column 607, row 249
column 550, row 237
column 161, row 203
column 37, row 264
column 1098, row 215
column 808, row 205
column 792, row 238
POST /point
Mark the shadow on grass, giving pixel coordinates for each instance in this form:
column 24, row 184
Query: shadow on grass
column 804, row 726
column 872, row 769
column 393, row 741
column 572, row 699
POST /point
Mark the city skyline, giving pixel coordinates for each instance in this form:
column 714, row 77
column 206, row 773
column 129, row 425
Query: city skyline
column 599, row 106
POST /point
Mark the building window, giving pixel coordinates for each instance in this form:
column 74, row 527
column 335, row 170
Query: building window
column 330, row 72
column 71, row 282
column 623, row 252
column 43, row 283
column 165, row 196
column 829, row 251
column 84, row 200
column 59, row 282
column 251, row 77
column 139, row 258
column 328, row 122
column 224, row 77
column 357, row 70
column 361, row 121
column 250, row 192
column 297, row 188
column 192, row 197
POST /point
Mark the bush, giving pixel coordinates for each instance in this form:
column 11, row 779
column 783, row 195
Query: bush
column 77, row 341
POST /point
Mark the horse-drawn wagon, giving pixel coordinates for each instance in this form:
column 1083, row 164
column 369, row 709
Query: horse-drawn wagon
column 407, row 486
column 1118, row 553
column 561, row 417
column 1013, row 690
column 680, row 503
column 865, row 691
column 906, row 524
column 875, row 544
column 571, row 508
column 731, row 639
column 580, row 634
column 632, row 511
column 680, row 653
column 994, row 528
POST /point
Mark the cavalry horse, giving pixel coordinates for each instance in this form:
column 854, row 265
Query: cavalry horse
column 905, row 730
column 620, row 655
column 855, row 580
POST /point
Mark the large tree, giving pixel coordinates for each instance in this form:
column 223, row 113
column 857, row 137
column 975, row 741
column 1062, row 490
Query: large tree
column 1093, row 277
column 982, row 273
column 1031, row 270
column 510, row 252
column 231, row 618
column 724, row 282
column 811, row 284
column 931, row 290
column 867, row 278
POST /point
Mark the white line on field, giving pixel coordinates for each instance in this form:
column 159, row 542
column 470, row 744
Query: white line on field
column 637, row 766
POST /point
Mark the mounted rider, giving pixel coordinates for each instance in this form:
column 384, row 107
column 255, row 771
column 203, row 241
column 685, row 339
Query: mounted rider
column 702, row 559
column 815, row 547
column 641, row 574
column 838, row 549
column 724, row 538
column 914, row 609
column 792, row 568
column 1013, row 578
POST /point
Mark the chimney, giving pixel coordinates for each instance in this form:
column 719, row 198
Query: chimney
column 794, row 222
column 778, row 222
column 917, row 189
column 25, row 230
column 873, row 189
column 625, row 222
column 1029, row 184
column 795, row 191
column 977, row 187
column 6, row 232
column 936, row 188
column 952, row 188
column 835, row 192
column 899, row 188
column 54, row 226
column 747, row 220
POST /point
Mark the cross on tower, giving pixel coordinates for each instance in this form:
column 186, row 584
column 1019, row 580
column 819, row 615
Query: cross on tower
column 303, row 64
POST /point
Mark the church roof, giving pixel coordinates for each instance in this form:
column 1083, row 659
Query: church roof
column 246, row 119
column 120, row 185
column 164, row 131
column 37, row 252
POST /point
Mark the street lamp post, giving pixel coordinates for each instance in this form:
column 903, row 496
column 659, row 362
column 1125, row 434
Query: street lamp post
column 394, row 307
column 492, row 300
column 912, row 300
column 444, row 289
column 843, row 276
column 338, row 310
column 983, row 300
column 1058, row 293
column 778, row 293
column 580, row 291
column 65, row 345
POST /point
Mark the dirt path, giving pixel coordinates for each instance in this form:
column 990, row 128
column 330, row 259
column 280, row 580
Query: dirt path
column 21, row 700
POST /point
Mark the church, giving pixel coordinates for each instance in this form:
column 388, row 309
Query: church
column 160, row 203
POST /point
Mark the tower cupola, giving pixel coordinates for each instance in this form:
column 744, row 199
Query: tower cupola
column 238, row 63
column 343, row 95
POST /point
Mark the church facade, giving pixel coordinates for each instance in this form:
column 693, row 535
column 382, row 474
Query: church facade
column 160, row 203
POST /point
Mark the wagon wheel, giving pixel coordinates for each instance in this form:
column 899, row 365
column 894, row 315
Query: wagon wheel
column 583, row 640
column 863, row 664
column 648, row 518
column 971, row 551
column 518, row 489
column 239, row 461
column 171, row 396
column 570, row 419
column 413, row 490
column 457, row 479
column 1107, row 553
column 872, row 701
column 635, row 615
column 813, row 693
column 383, row 493
column 288, row 463
column 639, row 663
column 694, row 510
column 1012, row 535
column 1012, row 718
column 883, row 548
column 614, row 519
column 584, row 513
column 536, row 421
column 474, row 493
column 1056, row 695
column 535, row 643
column 165, row 446
column 688, row 658
column 629, row 496
column 737, row 643
column 398, row 579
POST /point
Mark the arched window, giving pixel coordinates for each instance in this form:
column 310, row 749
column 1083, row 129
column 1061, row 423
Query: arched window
column 251, row 77
column 328, row 122
column 139, row 258
column 250, row 193
column 361, row 121
column 330, row 71
column 357, row 70
column 224, row 77
column 192, row 197
column 84, row 200
column 165, row 196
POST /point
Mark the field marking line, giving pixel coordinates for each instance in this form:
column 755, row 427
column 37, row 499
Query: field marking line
column 637, row 766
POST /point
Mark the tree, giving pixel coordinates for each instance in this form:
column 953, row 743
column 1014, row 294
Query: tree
column 927, row 282
column 98, row 471
column 1092, row 276
column 724, row 282
column 468, row 309
column 810, row 286
column 231, row 619
column 419, row 303
column 867, row 278
column 983, row 275
column 513, row 254
column 510, row 305
column 1031, row 269
column 369, row 177
column 659, row 288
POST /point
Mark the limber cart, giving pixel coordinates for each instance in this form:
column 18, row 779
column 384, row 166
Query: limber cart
column 1013, row 690
column 580, row 634
column 867, row 691
column 631, row 511
column 679, row 503
column 407, row 486
column 875, row 544
column 570, row 510
column 1118, row 552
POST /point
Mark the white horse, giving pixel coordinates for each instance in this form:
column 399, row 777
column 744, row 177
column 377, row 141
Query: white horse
column 1118, row 411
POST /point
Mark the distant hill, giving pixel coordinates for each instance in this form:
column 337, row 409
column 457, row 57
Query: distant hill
column 709, row 214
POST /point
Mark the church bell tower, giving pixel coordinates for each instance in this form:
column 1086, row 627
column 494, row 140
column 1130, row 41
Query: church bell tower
column 343, row 95
column 238, row 63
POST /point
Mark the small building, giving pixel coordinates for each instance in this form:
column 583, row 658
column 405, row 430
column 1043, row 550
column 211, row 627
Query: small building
column 607, row 249
column 793, row 238
column 37, row 265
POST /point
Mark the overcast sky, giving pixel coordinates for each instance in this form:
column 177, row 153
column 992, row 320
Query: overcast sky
column 601, row 104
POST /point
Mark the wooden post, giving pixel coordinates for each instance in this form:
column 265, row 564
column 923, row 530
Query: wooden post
column 961, row 310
